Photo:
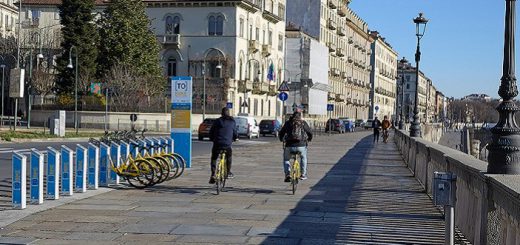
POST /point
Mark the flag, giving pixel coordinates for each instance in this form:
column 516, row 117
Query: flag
column 270, row 73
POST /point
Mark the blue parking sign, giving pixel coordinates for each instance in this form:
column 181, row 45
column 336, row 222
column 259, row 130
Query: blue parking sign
column 330, row 107
column 229, row 105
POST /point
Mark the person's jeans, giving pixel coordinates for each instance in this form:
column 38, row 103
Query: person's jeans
column 287, row 156
column 376, row 135
column 215, row 151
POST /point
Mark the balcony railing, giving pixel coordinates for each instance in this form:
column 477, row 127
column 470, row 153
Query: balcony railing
column 254, row 46
column 331, row 24
column 266, row 50
column 260, row 88
column 170, row 39
column 333, row 4
column 245, row 86
column 341, row 31
column 340, row 52
column 342, row 11
column 332, row 47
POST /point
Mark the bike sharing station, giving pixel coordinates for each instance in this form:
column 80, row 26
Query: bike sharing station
column 181, row 116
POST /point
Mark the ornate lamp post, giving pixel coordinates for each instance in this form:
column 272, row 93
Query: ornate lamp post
column 219, row 66
column 420, row 22
column 403, row 63
column 504, row 151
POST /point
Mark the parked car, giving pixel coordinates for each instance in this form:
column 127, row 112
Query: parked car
column 360, row 123
column 271, row 127
column 204, row 128
column 335, row 125
column 368, row 123
column 349, row 124
column 247, row 126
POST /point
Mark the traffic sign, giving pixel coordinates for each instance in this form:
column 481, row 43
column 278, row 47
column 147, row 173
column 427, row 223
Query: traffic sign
column 284, row 87
column 244, row 104
column 330, row 107
column 283, row 96
column 376, row 108
column 133, row 117
column 229, row 105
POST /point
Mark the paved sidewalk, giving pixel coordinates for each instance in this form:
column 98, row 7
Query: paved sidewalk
column 357, row 193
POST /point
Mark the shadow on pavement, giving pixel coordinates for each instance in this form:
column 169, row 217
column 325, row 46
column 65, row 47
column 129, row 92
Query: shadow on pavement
column 367, row 197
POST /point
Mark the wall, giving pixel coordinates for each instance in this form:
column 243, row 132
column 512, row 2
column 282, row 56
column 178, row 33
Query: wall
column 488, row 206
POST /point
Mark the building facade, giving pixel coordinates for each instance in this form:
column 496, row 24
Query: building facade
column 307, row 71
column 409, row 90
column 8, row 18
column 382, row 78
column 346, row 36
column 431, row 102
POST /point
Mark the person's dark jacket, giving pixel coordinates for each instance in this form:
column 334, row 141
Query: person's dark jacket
column 376, row 124
column 223, row 132
column 288, row 127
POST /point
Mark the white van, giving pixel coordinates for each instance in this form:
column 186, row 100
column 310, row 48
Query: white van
column 247, row 126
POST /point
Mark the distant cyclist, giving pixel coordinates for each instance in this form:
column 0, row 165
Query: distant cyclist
column 376, row 124
column 386, row 124
column 223, row 132
column 296, row 133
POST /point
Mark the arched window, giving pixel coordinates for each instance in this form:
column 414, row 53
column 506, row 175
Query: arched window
column 169, row 25
column 176, row 24
column 212, row 26
column 240, row 70
column 220, row 26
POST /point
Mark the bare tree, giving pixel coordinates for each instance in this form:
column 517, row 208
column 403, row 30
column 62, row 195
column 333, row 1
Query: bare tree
column 43, row 83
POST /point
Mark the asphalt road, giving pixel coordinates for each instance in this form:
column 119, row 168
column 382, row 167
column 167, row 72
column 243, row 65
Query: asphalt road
column 6, row 150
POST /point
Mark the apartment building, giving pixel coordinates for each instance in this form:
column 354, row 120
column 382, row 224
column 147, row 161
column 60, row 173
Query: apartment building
column 409, row 90
column 383, row 78
column 8, row 18
column 431, row 102
column 348, row 41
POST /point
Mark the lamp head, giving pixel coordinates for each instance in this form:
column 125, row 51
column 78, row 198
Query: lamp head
column 420, row 23
column 403, row 61
column 219, row 66
column 70, row 66
column 2, row 66
column 40, row 56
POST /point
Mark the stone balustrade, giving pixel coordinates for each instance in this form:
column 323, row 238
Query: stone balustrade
column 488, row 206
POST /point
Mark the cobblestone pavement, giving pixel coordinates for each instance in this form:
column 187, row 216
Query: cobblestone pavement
column 357, row 193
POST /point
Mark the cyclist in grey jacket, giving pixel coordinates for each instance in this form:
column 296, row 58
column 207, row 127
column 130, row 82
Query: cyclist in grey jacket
column 296, row 133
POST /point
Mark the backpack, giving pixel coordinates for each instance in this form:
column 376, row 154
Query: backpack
column 297, row 134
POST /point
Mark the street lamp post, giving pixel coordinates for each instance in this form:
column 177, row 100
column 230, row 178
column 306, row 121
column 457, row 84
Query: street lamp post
column 70, row 66
column 403, row 63
column 504, row 150
column 420, row 22
column 219, row 66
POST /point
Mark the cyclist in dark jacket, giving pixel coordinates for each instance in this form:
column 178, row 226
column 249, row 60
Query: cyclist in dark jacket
column 295, row 145
column 223, row 132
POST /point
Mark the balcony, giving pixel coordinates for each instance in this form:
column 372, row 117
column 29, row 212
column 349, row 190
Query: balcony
column 342, row 11
column 332, row 47
column 260, row 88
column 272, row 90
column 343, row 75
column 331, row 24
column 350, row 60
column 350, row 40
column 333, row 4
column 245, row 86
column 340, row 52
column 335, row 72
column 331, row 96
column 271, row 17
column 170, row 40
column 254, row 46
column 340, row 97
column 266, row 50
column 349, row 79
column 349, row 101
column 341, row 31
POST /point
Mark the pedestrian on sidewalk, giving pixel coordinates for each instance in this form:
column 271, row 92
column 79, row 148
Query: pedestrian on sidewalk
column 376, row 125
column 296, row 134
column 223, row 132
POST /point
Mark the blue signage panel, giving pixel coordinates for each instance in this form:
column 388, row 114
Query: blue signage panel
column 104, row 154
column 330, row 107
column 19, row 189
column 53, row 173
column 66, row 171
column 115, row 157
column 171, row 145
column 81, row 168
column 283, row 96
column 125, row 150
column 229, row 105
column 181, row 117
column 150, row 143
column 142, row 147
column 134, row 149
column 93, row 167
column 36, row 177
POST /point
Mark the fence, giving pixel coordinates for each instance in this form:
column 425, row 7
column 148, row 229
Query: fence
column 65, row 172
column 488, row 206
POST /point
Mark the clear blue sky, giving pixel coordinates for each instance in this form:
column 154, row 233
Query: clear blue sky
column 462, row 48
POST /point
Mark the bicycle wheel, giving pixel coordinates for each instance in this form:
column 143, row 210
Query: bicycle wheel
column 165, row 168
column 181, row 164
column 158, row 170
column 145, row 177
column 295, row 176
column 174, row 169
column 220, row 174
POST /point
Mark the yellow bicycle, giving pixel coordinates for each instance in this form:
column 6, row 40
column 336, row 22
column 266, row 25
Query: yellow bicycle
column 221, row 172
column 139, row 173
column 295, row 170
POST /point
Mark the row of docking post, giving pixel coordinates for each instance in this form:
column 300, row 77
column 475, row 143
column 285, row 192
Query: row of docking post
column 68, row 171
